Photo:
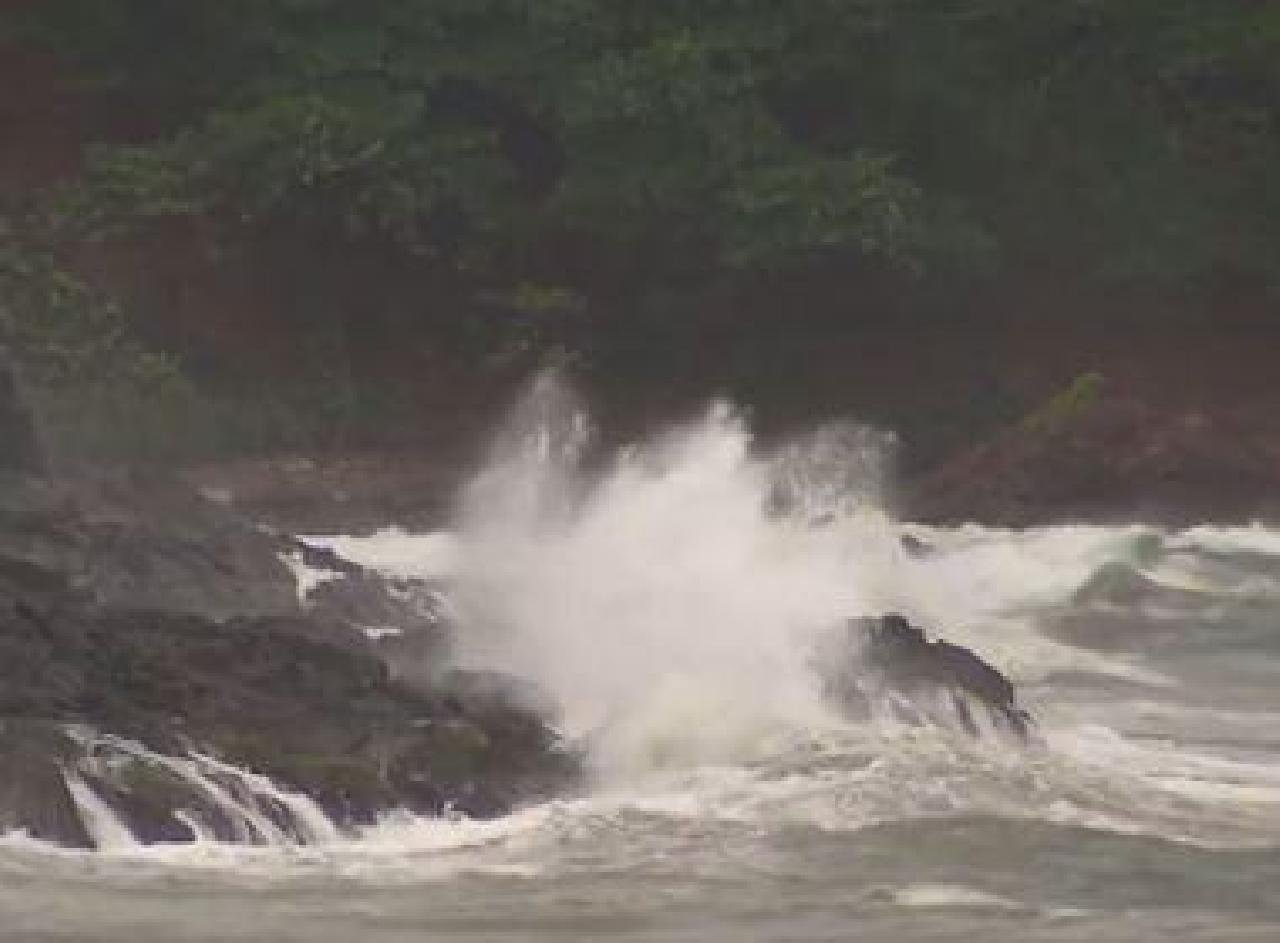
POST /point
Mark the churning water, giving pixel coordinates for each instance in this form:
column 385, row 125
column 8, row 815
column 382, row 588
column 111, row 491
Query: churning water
column 669, row 597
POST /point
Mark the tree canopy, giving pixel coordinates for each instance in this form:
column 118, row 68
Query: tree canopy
column 583, row 141
column 549, row 157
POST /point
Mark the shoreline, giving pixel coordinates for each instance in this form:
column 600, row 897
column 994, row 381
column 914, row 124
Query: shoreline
column 361, row 492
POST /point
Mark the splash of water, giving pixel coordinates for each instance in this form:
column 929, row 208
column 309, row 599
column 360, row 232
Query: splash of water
column 105, row 828
column 669, row 596
column 225, row 802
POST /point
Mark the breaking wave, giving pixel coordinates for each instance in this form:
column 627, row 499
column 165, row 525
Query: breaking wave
column 669, row 597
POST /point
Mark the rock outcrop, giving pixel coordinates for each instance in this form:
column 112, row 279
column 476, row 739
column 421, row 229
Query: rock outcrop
column 19, row 447
column 157, row 659
column 887, row 659
column 34, row 795
column 1094, row 453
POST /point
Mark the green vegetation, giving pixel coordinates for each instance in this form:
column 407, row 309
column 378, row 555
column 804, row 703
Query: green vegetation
column 1127, row 138
column 93, row 379
column 65, row 333
column 505, row 176
column 1067, row 406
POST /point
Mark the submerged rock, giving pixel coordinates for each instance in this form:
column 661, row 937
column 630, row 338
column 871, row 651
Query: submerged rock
column 874, row 656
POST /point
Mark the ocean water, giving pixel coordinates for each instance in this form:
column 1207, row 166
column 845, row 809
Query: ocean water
column 670, row 597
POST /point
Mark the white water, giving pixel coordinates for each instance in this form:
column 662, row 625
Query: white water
column 240, row 797
column 672, row 610
column 662, row 603
column 99, row 819
column 671, row 603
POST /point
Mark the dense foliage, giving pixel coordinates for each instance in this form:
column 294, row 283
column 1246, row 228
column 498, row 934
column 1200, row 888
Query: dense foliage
column 546, row 158
column 591, row 139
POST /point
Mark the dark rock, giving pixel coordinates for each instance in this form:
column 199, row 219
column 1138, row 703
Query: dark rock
column 142, row 540
column 314, row 716
column 32, row 576
column 401, row 619
column 892, row 653
column 404, row 621
column 150, row 802
column 1111, row 456
column 495, row 693
column 34, row 797
column 916, row 548
column 157, row 626
column 19, row 446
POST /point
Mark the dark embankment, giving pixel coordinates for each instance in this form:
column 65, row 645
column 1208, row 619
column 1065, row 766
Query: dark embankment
column 1174, row 428
column 179, row 629
column 1175, row 425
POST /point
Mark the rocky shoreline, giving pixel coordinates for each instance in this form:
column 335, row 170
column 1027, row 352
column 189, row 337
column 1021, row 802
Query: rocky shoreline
column 164, row 670
column 141, row 626
column 1096, row 452
column 1106, row 455
column 165, row 659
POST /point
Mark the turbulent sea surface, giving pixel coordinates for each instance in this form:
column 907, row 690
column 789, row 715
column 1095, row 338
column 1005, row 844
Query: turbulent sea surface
column 669, row 600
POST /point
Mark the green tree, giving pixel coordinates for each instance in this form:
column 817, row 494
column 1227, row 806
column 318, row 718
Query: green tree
column 616, row 148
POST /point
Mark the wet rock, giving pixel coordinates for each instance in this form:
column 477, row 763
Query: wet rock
column 133, row 611
column 402, row 620
column 20, row 449
column 34, row 797
column 1098, row 452
column 142, row 540
column 322, row 719
column 915, row 547
column 151, row 802
column 495, row 693
column 871, row 656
